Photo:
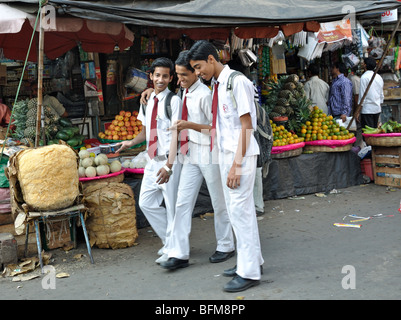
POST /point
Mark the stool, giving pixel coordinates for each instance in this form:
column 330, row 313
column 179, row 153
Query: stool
column 40, row 216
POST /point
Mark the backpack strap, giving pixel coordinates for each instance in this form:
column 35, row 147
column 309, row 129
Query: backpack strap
column 167, row 106
column 229, row 87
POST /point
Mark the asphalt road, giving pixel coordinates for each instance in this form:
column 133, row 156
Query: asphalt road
column 306, row 257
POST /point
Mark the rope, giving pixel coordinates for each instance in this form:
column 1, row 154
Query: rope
column 22, row 75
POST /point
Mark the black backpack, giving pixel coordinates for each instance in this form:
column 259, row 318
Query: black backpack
column 263, row 133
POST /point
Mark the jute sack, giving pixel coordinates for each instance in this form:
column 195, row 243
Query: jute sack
column 46, row 176
column 111, row 222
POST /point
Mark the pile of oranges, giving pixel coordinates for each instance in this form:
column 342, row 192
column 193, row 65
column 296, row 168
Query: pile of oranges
column 282, row 136
column 125, row 126
column 323, row 127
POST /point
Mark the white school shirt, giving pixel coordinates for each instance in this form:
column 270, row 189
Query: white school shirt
column 199, row 104
column 228, row 125
column 163, row 123
column 375, row 96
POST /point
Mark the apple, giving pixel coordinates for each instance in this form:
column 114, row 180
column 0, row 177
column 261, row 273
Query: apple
column 135, row 113
column 129, row 136
column 114, row 122
column 128, row 114
column 115, row 137
column 122, row 113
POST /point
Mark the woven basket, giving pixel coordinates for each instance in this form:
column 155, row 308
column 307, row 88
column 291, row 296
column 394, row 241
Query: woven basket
column 383, row 141
column 328, row 149
column 287, row 154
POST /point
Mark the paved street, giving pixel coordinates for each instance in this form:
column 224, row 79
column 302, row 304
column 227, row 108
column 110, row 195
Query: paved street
column 304, row 257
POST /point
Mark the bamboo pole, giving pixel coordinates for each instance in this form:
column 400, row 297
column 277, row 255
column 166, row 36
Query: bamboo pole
column 40, row 79
column 359, row 106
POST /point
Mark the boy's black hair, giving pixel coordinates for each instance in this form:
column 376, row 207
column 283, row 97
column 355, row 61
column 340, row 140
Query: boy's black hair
column 370, row 63
column 162, row 62
column 183, row 61
column 201, row 51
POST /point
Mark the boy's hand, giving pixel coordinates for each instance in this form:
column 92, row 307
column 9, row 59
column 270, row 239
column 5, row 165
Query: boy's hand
column 234, row 176
column 162, row 176
column 145, row 96
column 179, row 125
column 123, row 145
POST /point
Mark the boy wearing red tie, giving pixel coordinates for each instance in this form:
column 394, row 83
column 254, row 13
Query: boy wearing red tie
column 161, row 175
column 238, row 150
column 199, row 163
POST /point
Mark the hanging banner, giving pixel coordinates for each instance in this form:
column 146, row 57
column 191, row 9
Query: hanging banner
column 335, row 31
column 389, row 16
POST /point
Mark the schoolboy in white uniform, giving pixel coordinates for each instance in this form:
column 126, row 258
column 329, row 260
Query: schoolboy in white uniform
column 237, row 158
column 161, row 176
column 199, row 163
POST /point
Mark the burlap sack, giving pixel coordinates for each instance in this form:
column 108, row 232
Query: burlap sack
column 112, row 217
column 47, row 177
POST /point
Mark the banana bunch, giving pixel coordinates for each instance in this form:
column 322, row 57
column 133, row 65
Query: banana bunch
column 387, row 127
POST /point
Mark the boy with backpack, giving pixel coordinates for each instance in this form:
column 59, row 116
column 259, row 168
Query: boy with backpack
column 162, row 173
column 233, row 129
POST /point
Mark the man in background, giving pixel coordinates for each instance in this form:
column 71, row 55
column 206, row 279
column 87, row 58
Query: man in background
column 316, row 89
column 340, row 97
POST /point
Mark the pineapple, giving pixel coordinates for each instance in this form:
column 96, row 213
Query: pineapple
column 274, row 115
column 293, row 78
column 283, row 102
column 284, row 94
column 30, row 132
column 33, row 103
column 30, row 122
column 290, row 86
column 280, row 110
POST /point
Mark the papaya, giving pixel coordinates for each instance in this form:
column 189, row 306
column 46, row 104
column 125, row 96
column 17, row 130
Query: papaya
column 65, row 122
column 62, row 135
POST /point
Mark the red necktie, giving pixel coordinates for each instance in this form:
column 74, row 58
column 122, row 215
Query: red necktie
column 215, row 103
column 152, row 148
column 184, row 134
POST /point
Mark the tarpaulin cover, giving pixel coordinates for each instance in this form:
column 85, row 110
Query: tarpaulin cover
column 221, row 13
column 16, row 27
column 311, row 173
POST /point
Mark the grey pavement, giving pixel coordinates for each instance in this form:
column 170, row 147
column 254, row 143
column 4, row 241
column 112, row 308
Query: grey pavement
column 306, row 257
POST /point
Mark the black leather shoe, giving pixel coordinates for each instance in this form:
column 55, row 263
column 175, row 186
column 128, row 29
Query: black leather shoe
column 219, row 256
column 174, row 263
column 232, row 272
column 240, row 284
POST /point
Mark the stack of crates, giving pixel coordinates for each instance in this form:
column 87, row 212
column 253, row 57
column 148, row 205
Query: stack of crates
column 387, row 166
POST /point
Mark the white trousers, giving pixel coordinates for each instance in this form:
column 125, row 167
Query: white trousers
column 241, row 210
column 192, row 174
column 258, row 191
column 152, row 195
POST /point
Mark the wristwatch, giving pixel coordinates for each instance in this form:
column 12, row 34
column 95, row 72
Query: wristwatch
column 169, row 171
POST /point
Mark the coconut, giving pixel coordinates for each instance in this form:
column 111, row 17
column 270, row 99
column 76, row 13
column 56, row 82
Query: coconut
column 100, row 159
column 126, row 163
column 83, row 154
column 102, row 170
column 115, row 166
column 87, row 162
column 81, row 172
column 90, row 172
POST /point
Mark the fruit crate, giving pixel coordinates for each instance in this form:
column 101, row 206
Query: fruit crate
column 387, row 166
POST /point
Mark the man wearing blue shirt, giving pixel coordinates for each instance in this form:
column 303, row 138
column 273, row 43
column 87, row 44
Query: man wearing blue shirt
column 340, row 98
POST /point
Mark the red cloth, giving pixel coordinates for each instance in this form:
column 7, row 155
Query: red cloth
column 5, row 115
column 215, row 103
column 184, row 134
column 152, row 148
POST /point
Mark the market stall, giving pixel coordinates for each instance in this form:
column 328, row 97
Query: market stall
column 311, row 151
